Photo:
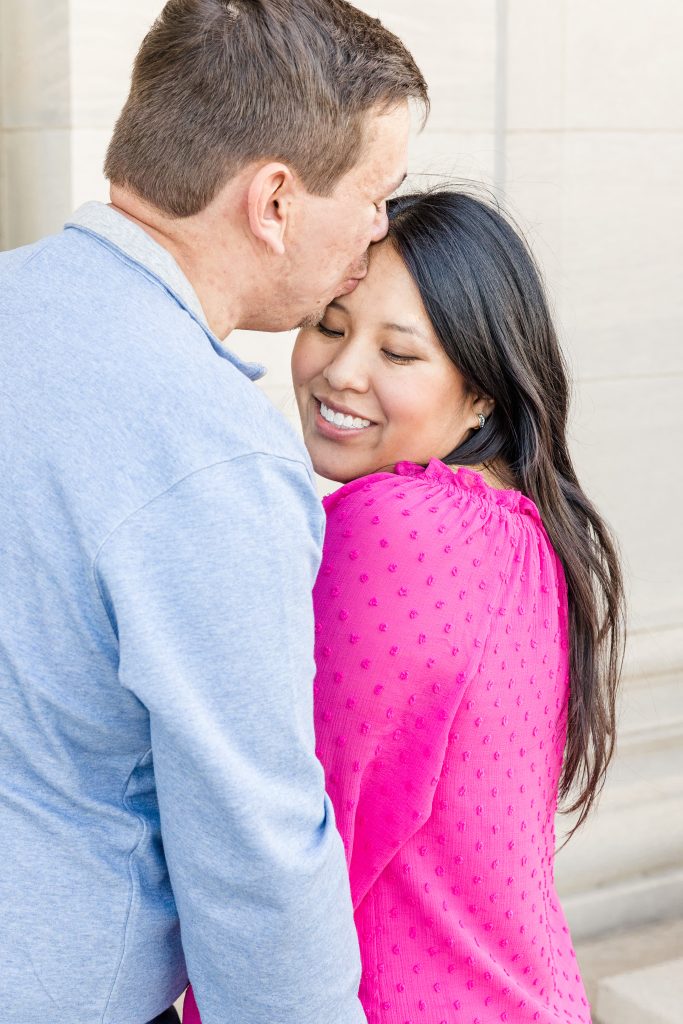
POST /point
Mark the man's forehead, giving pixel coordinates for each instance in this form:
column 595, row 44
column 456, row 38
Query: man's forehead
column 381, row 167
column 379, row 175
column 386, row 145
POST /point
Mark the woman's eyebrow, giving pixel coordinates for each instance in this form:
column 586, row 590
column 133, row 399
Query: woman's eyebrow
column 404, row 329
column 387, row 325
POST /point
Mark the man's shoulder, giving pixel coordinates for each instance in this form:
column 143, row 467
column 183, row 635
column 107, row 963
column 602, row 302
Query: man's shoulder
column 11, row 259
column 15, row 261
column 65, row 270
column 244, row 421
column 128, row 391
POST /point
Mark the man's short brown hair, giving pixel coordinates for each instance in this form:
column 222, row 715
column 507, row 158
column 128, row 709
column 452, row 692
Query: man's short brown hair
column 219, row 83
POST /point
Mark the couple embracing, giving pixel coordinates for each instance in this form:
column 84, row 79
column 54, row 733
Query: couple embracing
column 205, row 774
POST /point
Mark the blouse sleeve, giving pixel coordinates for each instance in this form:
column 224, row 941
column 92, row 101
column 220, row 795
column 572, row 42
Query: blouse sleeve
column 408, row 590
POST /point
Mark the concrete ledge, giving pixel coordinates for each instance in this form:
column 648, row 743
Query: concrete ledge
column 653, row 995
column 653, row 652
column 631, row 949
column 628, row 904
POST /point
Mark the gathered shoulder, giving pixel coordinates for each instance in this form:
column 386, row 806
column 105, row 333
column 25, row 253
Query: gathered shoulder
column 441, row 508
column 432, row 523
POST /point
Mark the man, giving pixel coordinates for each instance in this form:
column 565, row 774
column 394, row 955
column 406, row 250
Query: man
column 160, row 800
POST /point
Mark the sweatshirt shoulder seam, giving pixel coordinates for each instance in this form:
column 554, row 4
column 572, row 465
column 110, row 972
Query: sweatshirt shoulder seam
column 243, row 456
column 176, row 483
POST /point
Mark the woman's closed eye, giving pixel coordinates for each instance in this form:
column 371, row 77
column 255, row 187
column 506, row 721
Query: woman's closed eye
column 329, row 333
column 393, row 357
column 398, row 359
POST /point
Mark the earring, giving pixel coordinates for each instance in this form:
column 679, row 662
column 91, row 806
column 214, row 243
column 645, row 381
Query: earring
column 482, row 420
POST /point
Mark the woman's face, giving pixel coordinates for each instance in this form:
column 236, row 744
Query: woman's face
column 373, row 385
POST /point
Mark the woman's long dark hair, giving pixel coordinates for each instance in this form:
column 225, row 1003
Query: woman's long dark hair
column 483, row 294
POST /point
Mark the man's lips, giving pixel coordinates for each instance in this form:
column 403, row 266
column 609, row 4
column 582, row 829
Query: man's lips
column 349, row 285
column 353, row 280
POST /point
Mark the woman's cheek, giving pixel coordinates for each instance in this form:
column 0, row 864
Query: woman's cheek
column 303, row 360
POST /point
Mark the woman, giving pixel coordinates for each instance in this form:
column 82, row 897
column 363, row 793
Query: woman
column 468, row 609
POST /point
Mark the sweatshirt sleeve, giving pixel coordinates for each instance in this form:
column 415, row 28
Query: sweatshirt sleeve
column 208, row 588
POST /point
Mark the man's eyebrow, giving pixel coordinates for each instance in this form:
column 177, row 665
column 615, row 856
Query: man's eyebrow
column 398, row 184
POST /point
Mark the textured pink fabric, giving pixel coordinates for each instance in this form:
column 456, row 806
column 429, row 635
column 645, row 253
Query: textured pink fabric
column 190, row 1011
column 440, row 704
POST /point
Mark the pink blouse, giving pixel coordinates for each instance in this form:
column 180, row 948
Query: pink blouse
column 441, row 705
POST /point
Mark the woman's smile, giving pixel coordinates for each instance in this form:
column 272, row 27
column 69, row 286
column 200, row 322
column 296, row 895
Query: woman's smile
column 339, row 418
column 373, row 383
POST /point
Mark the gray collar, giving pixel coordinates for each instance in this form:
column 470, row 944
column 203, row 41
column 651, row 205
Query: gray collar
column 108, row 224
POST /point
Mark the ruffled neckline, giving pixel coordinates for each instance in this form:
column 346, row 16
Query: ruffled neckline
column 465, row 479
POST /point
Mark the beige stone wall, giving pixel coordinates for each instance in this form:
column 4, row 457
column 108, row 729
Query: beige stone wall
column 64, row 74
column 571, row 111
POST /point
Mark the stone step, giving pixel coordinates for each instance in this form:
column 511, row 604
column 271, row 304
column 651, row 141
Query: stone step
column 624, row 866
column 634, row 832
column 625, row 950
column 655, row 651
column 631, row 903
column 651, row 995
column 650, row 708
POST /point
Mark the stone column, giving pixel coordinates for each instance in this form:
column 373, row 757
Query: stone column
column 65, row 67
column 35, row 123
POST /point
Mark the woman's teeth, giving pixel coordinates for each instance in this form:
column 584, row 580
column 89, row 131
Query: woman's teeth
column 338, row 419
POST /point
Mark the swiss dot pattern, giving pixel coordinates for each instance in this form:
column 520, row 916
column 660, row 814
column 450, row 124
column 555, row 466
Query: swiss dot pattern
column 441, row 702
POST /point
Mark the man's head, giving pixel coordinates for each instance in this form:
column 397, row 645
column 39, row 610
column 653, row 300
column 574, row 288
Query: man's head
column 289, row 116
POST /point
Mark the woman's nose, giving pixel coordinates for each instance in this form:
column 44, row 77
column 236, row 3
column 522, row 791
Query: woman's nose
column 346, row 371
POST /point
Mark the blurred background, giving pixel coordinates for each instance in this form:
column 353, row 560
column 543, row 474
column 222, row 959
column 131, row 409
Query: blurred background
column 571, row 113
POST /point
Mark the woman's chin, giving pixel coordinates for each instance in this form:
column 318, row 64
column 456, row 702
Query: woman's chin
column 343, row 462
column 335, row 476
column 343, row 473
column 332, row 465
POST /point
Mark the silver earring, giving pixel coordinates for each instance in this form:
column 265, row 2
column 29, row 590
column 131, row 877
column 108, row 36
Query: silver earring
column 482, row 420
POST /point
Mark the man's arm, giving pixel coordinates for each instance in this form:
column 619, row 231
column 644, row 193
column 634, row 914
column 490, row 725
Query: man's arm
column 209, row 589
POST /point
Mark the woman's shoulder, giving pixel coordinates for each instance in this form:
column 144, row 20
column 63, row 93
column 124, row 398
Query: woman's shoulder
column 435, row 494
column 433, row 522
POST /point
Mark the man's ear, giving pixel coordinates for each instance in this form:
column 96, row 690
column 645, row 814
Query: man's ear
column 269, row 199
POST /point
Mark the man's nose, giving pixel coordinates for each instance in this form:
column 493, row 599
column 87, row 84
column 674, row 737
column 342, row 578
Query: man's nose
column 381, row 225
